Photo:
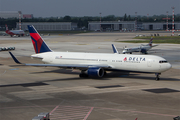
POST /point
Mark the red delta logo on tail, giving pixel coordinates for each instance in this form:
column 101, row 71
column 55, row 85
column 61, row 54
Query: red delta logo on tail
column 38, row 43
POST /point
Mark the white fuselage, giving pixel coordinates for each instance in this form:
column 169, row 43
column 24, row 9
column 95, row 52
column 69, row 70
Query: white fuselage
column 127, row 62
column 15, row 32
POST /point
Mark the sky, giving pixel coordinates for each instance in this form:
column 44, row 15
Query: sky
column 79, row 8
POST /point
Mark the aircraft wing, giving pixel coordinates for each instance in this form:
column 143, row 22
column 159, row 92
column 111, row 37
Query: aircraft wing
column 77, row 66
column 154, row 45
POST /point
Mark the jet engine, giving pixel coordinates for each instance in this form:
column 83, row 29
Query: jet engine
column 144, row 51
column 92, row 72
column 95, row 72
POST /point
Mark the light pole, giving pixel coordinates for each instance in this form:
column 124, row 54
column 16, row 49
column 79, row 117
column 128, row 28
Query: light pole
column 100, row 20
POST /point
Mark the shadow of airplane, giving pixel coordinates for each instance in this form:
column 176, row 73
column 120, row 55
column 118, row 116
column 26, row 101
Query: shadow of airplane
column 108, row 76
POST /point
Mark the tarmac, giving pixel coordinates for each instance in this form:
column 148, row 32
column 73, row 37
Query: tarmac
column 27, row 91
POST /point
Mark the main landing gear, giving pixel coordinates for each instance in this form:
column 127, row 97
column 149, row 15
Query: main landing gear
column 157, row 76
column 82, row 75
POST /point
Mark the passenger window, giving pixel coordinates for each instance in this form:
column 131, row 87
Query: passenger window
column 162, row 61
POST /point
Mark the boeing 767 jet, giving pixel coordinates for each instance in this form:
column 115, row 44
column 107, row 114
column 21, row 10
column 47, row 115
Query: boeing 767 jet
column 94, row 64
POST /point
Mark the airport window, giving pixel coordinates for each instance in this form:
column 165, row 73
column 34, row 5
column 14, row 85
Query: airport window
column 162, row 61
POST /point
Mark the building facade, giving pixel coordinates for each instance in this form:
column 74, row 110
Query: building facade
column 160, row 26
column 129, row 25
column 42, row 26
column 9, row 14
column 111, row 25
column 27, row 16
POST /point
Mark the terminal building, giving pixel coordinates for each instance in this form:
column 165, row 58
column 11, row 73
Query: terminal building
column 49, row 26
column 129, row 26
column 111, row 25
column 160, row 26
column 14, row 14
column 97, row 26
column 9, row 14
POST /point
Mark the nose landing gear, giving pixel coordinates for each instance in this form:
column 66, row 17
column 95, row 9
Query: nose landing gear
column 157, row 76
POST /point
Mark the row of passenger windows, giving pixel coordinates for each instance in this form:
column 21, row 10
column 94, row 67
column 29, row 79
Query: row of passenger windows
column 103, row 60
column 163, row 61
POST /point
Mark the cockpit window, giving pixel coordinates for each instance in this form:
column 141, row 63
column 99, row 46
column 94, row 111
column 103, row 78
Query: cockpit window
column 163, row 61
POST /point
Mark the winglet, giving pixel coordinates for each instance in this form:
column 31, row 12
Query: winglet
column 114, row 49
column 14, row 58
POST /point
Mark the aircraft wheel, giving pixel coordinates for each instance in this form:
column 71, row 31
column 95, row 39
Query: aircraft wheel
column 157, row 76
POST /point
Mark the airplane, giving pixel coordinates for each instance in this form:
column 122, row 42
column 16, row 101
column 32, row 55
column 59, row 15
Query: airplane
column 143, row 48
column 14, row 32
column 93, row 65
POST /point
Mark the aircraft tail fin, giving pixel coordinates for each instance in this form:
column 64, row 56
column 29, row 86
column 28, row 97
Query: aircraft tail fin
column 39, row 44
column 150, row 42
column 7, row 30
column 114, row 49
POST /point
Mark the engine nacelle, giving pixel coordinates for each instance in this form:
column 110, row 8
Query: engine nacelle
column 143, row 51
column 95, row 72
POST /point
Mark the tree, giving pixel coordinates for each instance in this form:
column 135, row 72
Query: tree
column 125, row 17
column 109, row 18
column 129, row 18
column 67, row 19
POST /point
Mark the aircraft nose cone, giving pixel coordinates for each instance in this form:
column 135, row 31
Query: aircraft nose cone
column 169, row 66
column 124, row 51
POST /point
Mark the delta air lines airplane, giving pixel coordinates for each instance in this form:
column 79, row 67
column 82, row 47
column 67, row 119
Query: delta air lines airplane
column 94, row 64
